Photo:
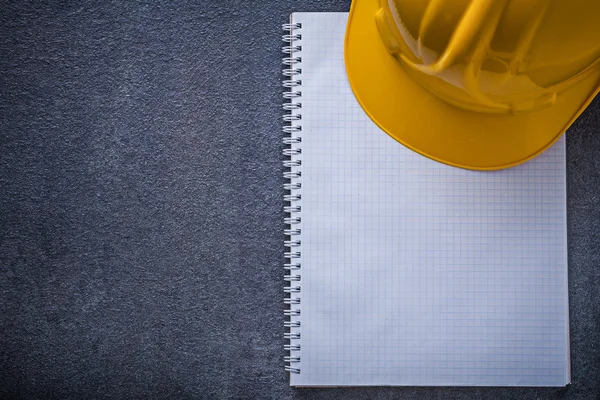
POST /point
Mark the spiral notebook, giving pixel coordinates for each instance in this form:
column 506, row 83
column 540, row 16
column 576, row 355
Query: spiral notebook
column 404, row 271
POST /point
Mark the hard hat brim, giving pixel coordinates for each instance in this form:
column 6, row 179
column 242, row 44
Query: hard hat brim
column 430, row 126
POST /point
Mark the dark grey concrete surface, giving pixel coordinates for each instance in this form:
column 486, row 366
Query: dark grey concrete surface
column 141, row 207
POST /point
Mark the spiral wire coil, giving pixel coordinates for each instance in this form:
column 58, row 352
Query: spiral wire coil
column 292, row 164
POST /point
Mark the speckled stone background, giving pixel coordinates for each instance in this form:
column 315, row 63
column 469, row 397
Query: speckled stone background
column 141, row 207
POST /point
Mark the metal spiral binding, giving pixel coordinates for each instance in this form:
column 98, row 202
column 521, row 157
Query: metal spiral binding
column 293, row 163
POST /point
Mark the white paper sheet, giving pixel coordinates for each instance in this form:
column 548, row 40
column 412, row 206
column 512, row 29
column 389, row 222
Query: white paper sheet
column 413, row 272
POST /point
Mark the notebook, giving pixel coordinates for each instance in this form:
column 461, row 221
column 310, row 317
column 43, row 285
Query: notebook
column 404, row 271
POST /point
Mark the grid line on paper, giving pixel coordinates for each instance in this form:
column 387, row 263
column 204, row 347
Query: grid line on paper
column 416, row 273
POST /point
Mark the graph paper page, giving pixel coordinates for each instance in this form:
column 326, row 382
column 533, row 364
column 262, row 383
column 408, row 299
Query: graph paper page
column 414, row 272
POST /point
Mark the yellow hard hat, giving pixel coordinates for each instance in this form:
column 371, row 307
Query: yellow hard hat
column 478, row 84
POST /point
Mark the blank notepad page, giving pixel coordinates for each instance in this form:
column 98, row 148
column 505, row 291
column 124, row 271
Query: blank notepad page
column 414, row 272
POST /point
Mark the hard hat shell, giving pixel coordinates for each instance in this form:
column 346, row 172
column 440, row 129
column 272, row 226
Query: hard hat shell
column 478, row 84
